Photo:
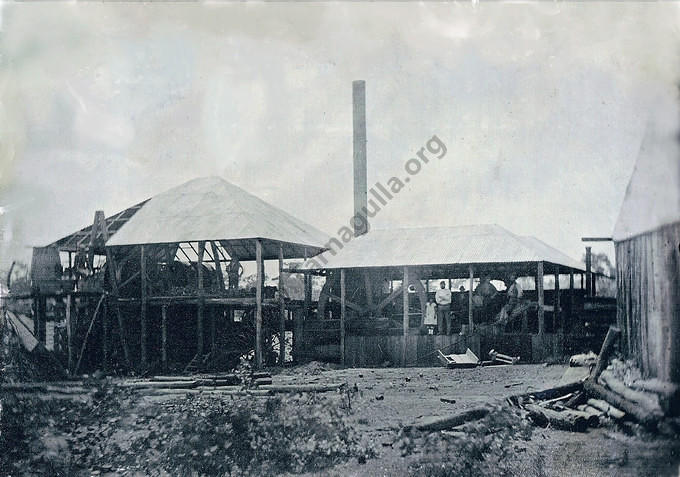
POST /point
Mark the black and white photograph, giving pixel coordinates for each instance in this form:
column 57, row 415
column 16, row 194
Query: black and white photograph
column 345, row 239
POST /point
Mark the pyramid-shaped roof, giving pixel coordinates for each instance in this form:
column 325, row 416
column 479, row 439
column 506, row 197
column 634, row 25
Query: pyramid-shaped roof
column 211, row 208
column 467, row 244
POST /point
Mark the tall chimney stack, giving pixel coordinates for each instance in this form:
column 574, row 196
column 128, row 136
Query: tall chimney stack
column 360, row 182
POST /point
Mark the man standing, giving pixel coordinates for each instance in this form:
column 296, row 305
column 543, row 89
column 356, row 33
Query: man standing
column 443, row 299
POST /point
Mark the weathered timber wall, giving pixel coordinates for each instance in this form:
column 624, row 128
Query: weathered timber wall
column 421, row 350
column 648, row 297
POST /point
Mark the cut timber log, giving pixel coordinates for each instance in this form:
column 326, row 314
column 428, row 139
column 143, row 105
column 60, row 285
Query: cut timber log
column 579, row 397
column 566, row 420
column 449, row 422
column 591, row 411
column 600, row 392
column 605, row 407
column 503, row 358
column 550, row 393
column 162, row 385
column 605, row 352
column 301, row 388
column 556, row 400
column 649, row 402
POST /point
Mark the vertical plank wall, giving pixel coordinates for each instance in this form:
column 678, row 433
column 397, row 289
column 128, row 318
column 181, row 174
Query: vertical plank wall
column 648, row 297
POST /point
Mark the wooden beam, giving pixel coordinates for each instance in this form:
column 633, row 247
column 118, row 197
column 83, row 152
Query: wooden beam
column 405, row 318
column 350, row 304
column 144, row 336
column 201, row 300
column 596, row 239
column 105, row 336
column 343, row 315
column 111, row 266
column 557, row 313
column 258, row 302
column 164, row 337
column 129, row 279
column 368, row 287
column 389, row 299
column 69, row 331
column 87, row 334
column 218, row 266
column 589, row 271
column 539, row 292
column 571, row 294
column 282, row 312
column 471, row 321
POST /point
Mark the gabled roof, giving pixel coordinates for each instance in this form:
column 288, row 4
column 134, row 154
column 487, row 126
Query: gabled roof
column 81, row 238
column 211, row 208
column 652, row 198
column 470, row 244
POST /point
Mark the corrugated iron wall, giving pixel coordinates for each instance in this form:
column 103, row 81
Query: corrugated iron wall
column 648, row 297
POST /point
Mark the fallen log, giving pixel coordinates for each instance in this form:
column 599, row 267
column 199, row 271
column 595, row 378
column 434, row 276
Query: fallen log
column 669, row 394
column 566, row 420
column 262, row 381
column 591, row 411
column 650, row 402
column 449, row 422
column 605, row 407
column 637, row 412
column 583, row 360
column 605, row 352
column 549, row 393
column 556, row 400
column 579, row 397
column 301, row 388
column 161, row 384
column 220, row 392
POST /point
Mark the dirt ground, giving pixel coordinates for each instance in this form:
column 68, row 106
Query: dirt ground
column 393, row 397
column 386, row 400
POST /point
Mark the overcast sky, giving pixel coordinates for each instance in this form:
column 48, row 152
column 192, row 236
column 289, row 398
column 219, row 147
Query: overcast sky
column 542, row 108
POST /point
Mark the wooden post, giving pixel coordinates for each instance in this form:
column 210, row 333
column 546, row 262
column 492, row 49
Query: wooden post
column 571, row 293
column 589, row 271
column 105, row 335
column 111, row 265
column 142, row 258
column 164, row 337
column 69, row 330
column 258, row 301
column 404, row 287
column 343, row 315
column 308, row 296
column 218, row 266
column 282, row 312
column 471, row 322
column 557, row 314
column 539, row 292
column 201, row 300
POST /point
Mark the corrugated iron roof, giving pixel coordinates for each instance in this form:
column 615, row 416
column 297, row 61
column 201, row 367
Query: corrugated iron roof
column 468, row 244
column 211, row 208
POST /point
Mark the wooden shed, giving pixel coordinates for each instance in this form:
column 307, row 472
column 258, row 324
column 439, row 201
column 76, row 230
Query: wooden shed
column 647, row 241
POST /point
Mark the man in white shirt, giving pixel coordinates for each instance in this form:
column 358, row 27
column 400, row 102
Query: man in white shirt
column 443, row 299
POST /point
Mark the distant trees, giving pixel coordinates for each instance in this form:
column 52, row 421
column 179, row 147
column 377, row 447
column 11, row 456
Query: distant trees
column 601, row 264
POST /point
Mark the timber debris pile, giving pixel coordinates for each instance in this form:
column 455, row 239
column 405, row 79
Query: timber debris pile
column 614, row 391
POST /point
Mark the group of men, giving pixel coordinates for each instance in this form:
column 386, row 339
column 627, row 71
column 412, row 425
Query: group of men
column 438, row 316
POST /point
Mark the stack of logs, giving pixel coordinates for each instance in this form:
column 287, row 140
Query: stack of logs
column 584, row 404
column 256, row 384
